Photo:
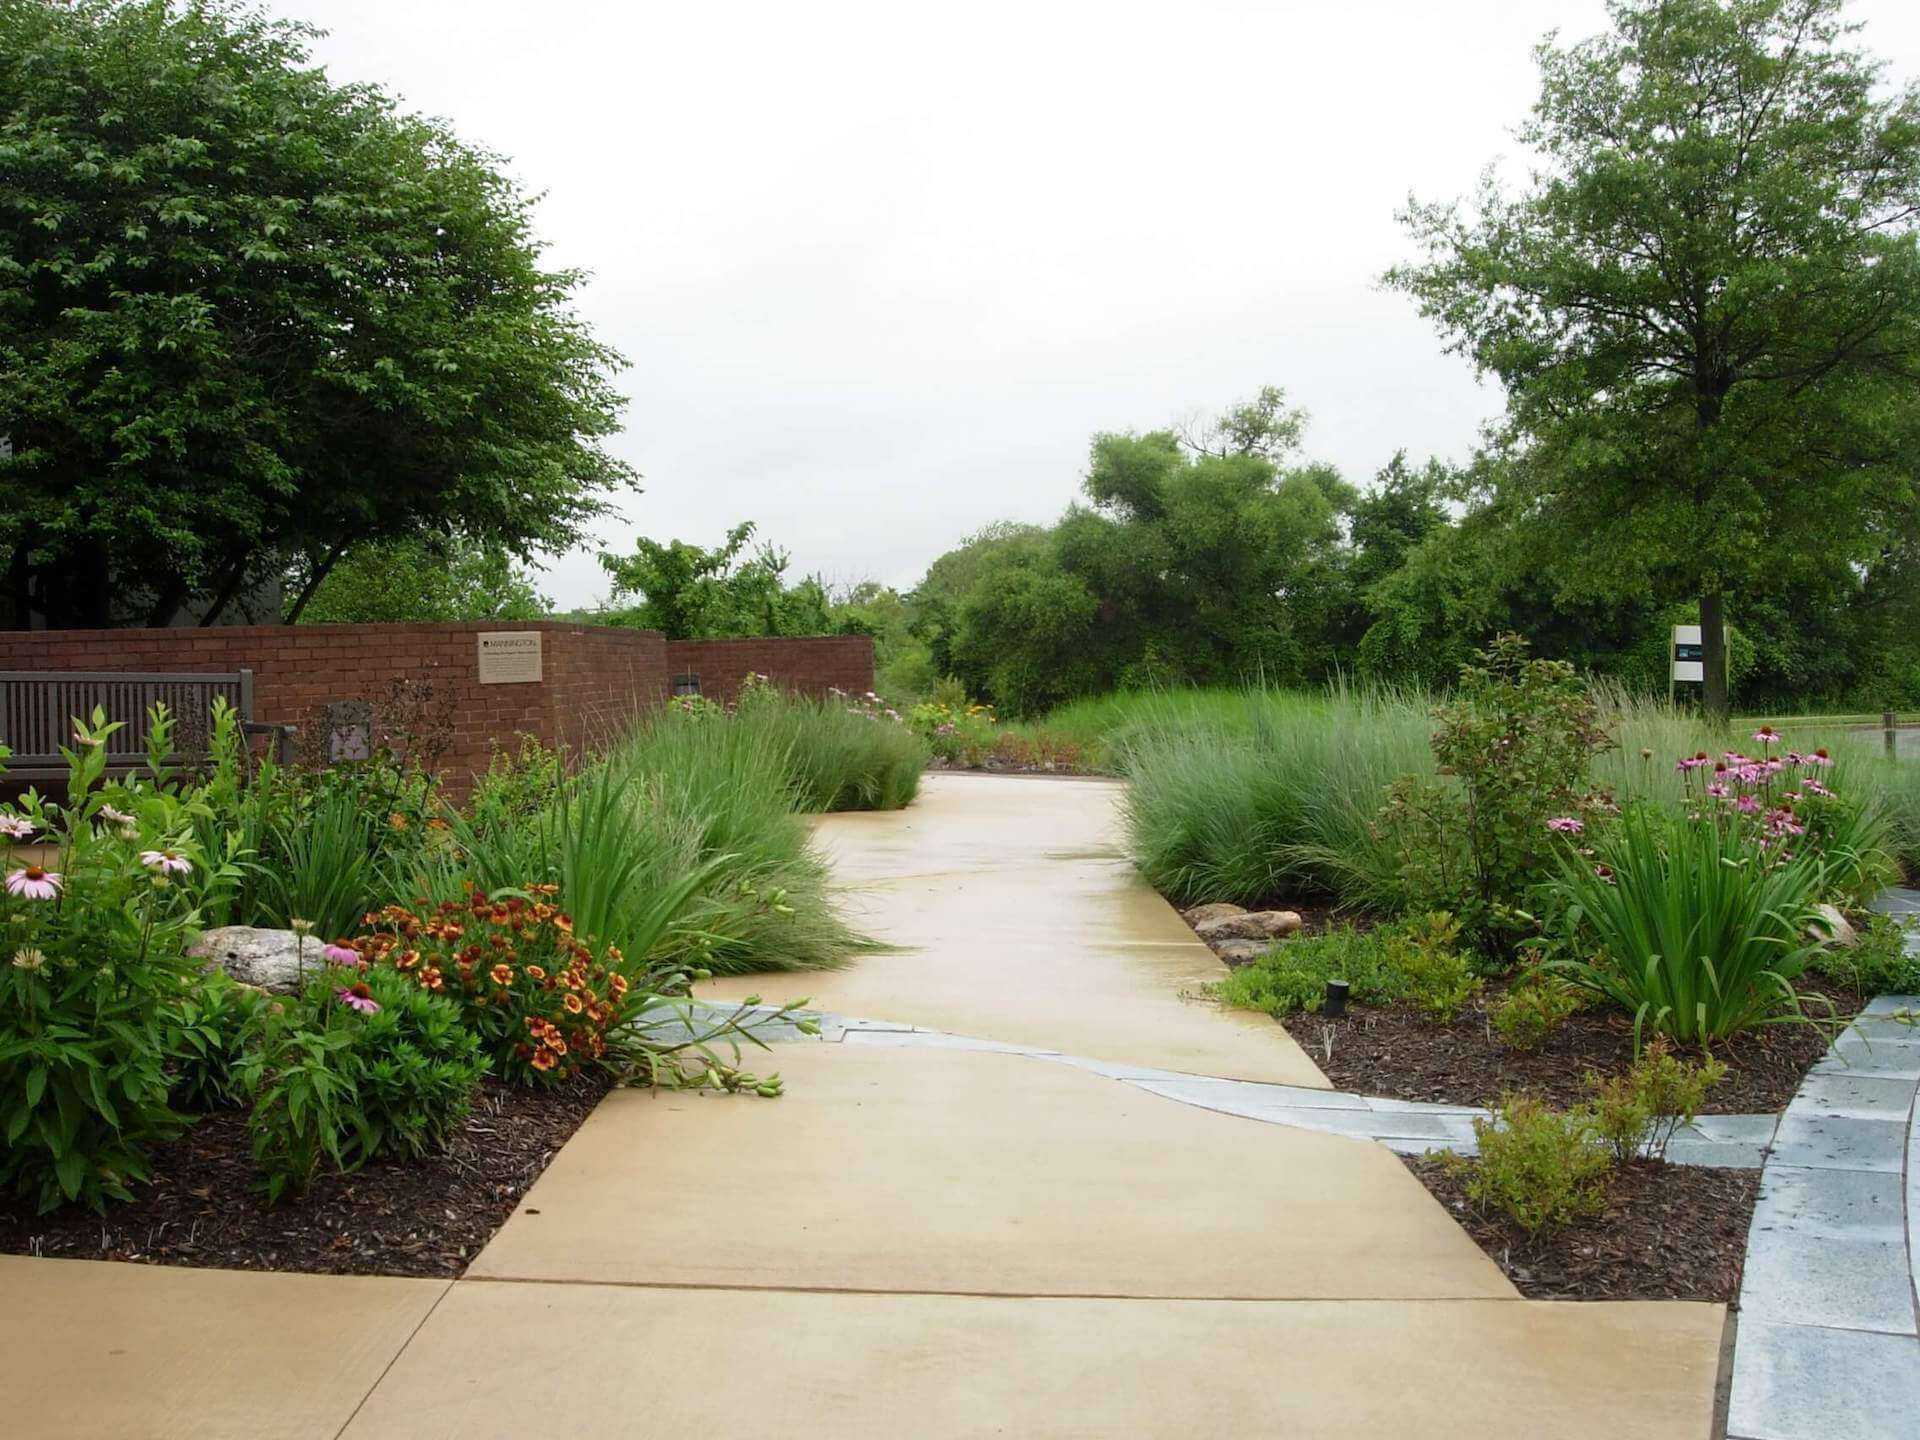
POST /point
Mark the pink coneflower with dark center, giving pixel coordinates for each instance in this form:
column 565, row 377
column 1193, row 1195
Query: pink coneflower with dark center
column 1766, row 735
column 1567, row 824
column 166, row 862
column 33, row 883
column 358, row 997
column 342, row 955
column 15, row 827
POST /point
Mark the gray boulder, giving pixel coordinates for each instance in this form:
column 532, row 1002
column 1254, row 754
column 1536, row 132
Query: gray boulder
column 1249, row 925
column 264, row 959
column 1214, row 910
column 1236, row 953
column 1832, row 927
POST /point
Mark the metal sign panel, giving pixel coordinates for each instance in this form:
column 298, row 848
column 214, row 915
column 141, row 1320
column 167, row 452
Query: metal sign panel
column 1688, row 654
column 510, row 657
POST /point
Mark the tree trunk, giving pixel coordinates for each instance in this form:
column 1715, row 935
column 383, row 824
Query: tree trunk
column 320, row 572
column 1713, row 655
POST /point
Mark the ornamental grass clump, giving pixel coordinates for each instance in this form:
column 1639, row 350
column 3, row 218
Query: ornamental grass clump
column 841, row 753
column 1690, row 928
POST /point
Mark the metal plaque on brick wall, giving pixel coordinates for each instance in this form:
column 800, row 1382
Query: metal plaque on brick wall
column 349, row 731
column 510, row 657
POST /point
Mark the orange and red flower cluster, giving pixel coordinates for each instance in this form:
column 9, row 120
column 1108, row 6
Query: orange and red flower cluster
column 539, row 996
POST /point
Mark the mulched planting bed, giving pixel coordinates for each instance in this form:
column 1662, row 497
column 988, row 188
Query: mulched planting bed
column 1399, row 1053
column 393, row 1217
column 1669, row 1232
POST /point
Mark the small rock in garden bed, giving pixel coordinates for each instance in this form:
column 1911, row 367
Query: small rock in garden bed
column 1240, row 952
column 1249, row 925
column 1214, row 910
column 1833, row 927
column 264, row 959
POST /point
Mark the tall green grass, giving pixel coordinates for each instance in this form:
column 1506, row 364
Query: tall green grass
column 1246, row 795
column 682, row 802
column 837, row 757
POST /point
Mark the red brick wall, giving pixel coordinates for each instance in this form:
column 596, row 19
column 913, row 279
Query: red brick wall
column 589, row 672
column 810, row 664
column 596, row 678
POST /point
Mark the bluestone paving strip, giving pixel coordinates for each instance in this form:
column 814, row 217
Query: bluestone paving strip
column 1828, row 1346
column 1409, row 1127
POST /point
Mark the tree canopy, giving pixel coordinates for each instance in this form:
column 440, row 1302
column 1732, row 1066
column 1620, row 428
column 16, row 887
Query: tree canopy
column 250, row 320
column 1705, row 306
column 686, row 591
column 424, row 580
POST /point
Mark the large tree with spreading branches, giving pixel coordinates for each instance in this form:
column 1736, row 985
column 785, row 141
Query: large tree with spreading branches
column 251, row 320
column 1704, row 305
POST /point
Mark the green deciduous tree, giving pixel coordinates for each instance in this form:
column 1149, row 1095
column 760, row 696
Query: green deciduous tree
column 687, row 591
column 1705, row 306
column 250, row 318
column 424, row 580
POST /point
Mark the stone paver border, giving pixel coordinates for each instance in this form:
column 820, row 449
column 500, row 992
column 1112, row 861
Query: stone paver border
column 1408, row 1127
column 1828, row 1346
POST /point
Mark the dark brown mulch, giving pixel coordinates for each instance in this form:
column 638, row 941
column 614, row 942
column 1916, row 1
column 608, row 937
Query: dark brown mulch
column 392, row 1217
column 1669, row 1232
column 1398, row 1052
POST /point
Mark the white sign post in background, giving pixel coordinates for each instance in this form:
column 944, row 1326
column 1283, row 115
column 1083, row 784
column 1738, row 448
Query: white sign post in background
column 1687, row 658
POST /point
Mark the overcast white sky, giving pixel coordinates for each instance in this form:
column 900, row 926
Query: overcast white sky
column 882, row 269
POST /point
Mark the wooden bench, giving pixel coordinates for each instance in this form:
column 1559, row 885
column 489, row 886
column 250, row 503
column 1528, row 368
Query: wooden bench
column 38, row 708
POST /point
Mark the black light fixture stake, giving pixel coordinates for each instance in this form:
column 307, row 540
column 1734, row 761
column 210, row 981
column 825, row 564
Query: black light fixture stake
column 1335, row 1004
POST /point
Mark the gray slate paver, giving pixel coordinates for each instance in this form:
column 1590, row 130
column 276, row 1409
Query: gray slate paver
column 1855, row 1095
column 1803, row 1382
column 1822, row 1280
column 1838, row 1143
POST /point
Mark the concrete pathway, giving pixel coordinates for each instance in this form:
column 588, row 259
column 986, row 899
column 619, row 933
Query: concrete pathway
column 919, row 1240
column 1014, row 915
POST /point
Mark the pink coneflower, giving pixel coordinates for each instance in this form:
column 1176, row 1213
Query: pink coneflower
column 1820, row 757
column 342, row 955
column 1692, row 762
column 1748, row 804
column 33, row 883
column 1814, row 787
column 166, row 862
column 15, row 827
column 1718, row 791
column 358, row 997
column 1789, row 794
column 1766, row 734
column 1604, row 872
column 1567, row 824
column 115, row 817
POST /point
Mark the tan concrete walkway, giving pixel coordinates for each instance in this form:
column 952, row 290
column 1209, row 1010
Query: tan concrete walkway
column 914, row 1242
column 1014, row 915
